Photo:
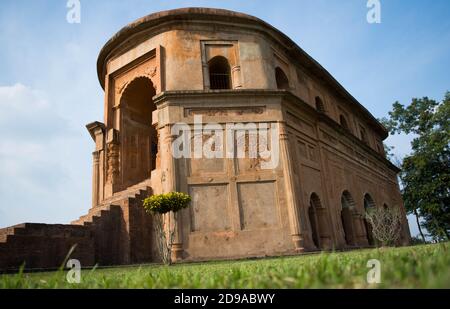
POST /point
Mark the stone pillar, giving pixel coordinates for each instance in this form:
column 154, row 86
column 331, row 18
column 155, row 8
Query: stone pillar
column 290, row 190
column 95, row 178
column 169, row 184
column 112, row 163
column 206, row 82
column 348, row 226
column 97, row 131
column 236, row 77
column 324, row 228
column 359, row 230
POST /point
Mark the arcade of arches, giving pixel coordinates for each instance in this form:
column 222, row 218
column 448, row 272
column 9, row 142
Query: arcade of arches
column 356, row 231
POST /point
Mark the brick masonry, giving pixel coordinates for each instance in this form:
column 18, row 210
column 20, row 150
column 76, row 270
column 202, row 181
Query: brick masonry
column 110, row 234
column 159, row 71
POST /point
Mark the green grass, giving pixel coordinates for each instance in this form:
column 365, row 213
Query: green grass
column 425, row 266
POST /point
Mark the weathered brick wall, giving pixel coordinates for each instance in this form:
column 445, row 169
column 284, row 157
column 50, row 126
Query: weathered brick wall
column 142, row 241
column 113, row 234
column 45, row 245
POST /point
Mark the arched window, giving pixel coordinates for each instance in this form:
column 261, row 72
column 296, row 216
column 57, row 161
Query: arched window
column 363, row 134
column 281, row 79
column 219, row 73
column 347, row 200
column 319, row 105
column 343, row 122
column 348, row 205
column 368, row 201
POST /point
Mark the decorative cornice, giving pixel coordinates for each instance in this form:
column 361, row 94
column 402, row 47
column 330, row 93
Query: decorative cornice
column 94, row 126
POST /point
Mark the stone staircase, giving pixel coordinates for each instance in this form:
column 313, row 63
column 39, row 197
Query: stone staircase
column 115, row 232
column 119, row 225
column 44, row 245
column 112, row 204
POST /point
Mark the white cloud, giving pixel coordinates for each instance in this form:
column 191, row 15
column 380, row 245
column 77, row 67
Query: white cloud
column 42, row 169
column 21, row 98
column 27, row 115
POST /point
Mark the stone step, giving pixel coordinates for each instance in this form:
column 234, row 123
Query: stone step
column 41, row 229
column 92, row 212
column 134, row 194
column 31, row 233
column 9, row 231
column 130, row 192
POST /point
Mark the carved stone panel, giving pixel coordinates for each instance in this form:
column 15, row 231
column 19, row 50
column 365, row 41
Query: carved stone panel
column 209, row 162
column 147, row 68
column 224, row 111
column 250, row 160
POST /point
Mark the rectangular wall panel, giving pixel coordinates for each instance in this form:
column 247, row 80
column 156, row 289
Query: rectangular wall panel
column 258, row 206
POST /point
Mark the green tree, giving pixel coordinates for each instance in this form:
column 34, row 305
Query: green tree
column 163, row 207
column 425, row 175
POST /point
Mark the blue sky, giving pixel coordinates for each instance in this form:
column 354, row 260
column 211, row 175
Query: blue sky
column 49, row 89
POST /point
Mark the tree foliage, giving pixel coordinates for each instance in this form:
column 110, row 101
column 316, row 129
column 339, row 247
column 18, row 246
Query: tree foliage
column 425, row 174
column 164, row 203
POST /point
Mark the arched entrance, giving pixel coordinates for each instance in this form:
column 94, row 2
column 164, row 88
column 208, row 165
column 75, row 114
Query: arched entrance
column 348, row 205
column 368, row 203
column 138, row 136
column 318, row 218
column 314, row 203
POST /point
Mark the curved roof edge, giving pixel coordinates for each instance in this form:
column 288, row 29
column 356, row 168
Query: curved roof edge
column 199, row 13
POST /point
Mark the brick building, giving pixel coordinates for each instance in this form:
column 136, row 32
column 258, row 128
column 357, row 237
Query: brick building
column 227, row 67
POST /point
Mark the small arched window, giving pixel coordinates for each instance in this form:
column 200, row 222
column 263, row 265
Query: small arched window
column 363, row 134
column 281, row 79
column 343, row 122
column 219, row 73
column 368, row 202
column 319, row 105
column 347, row 200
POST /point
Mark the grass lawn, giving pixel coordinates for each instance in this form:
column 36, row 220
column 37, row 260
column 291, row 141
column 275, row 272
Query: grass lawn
column 425, row 266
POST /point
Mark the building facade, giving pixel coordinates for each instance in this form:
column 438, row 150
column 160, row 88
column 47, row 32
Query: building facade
column 225, row 67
